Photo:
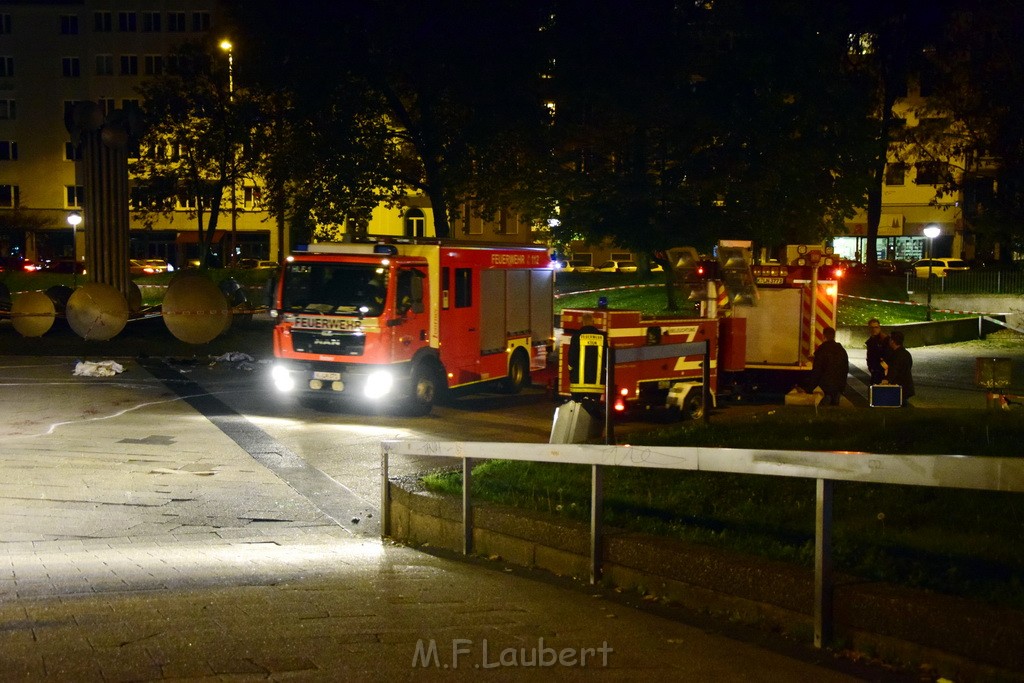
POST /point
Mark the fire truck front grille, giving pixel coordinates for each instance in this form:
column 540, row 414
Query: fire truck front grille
column 329, row 343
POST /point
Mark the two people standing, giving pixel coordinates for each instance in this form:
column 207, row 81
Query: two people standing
column 889, row 362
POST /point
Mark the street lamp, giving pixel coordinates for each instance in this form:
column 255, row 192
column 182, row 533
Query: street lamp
column 74, row 220
column 229, row 48
column 931, row 232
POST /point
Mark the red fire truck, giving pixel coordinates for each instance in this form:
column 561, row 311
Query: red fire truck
column 406, row 321
column 758, row 325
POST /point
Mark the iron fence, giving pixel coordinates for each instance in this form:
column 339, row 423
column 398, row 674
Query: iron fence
column 971, row 282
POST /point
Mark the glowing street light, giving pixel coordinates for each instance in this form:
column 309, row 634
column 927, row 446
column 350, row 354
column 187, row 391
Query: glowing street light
column 230, row 49
column 74, row 220
column 931, row 232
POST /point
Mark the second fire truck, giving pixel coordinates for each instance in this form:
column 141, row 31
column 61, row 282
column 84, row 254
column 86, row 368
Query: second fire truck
column 756, row 326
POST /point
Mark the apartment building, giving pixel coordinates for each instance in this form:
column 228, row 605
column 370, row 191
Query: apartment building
column 909, row 202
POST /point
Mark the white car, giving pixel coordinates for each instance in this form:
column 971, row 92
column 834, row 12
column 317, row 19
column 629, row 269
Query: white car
column 940, row 267
column 616, row 266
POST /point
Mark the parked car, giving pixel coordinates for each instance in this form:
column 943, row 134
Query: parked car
column 890, row 267
column 63, row 265
column 940, row 267
column 149, row 266
column 252, row 263
column 616, row 266
column 574, row 266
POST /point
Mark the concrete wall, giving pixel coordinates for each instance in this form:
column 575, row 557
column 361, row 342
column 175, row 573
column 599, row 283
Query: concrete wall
column 959, row 638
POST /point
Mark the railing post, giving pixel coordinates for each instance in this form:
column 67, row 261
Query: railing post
column 596, row 525
column 823, row 586
column 385, row 494
column 467, row 506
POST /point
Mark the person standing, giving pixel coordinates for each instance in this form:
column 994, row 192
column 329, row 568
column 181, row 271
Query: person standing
column 830, row 368
column 878, row 348
column 901, row 365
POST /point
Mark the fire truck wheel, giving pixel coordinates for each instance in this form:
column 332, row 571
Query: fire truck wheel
column 425, row 389
column 693, row 408
column 518, row 373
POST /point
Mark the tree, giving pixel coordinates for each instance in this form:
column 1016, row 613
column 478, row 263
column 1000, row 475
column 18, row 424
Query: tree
column 980, row 66
column 420, row 99
column 188, row 152
column 685, row 123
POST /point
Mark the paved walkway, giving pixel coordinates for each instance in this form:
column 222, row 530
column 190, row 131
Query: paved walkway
column 139, row 542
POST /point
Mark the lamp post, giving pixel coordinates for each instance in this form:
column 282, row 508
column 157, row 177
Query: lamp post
column 931, row 232
column 74, row 220
column 229, row 48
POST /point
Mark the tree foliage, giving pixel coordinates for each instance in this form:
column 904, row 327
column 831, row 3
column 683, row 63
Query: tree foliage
column 685, row 123
column 193, row 128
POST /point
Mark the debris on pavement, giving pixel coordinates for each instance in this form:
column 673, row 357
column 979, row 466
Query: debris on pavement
column 242, row 361
column 102, row 368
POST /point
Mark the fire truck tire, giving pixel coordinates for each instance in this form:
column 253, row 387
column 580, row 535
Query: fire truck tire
column 693, row 407
column 518, row 373
column 426, row 389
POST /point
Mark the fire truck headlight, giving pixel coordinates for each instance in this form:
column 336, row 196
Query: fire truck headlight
column 283, row 379
column 378, row 384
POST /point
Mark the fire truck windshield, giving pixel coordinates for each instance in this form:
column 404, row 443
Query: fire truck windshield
column 335, row 288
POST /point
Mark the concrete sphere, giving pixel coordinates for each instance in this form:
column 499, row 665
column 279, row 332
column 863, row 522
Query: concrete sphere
column 194, row 309
column 32, row 313
column 134, row 298
column 97, row 311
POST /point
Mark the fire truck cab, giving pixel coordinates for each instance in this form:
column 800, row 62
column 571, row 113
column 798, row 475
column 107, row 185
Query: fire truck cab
column 407, row 321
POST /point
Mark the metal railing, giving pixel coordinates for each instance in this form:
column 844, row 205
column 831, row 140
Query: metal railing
column 937, row 471
column 971, row 282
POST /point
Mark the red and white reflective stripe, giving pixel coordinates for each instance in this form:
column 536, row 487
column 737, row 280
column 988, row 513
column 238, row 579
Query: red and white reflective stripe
column 824, row 315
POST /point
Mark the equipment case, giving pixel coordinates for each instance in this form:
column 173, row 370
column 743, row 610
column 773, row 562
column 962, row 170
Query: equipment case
column 886, row 396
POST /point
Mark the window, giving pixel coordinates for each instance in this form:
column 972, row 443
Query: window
column 73, row 195
column 200, row 21
column 104, row 65
column 9, row 196
column 128, row 105
column 129, row 65
column 463, row 287
column 72, row 152
column 151, row 22
column 176, row 22
column 6, row 66
column 69, row 24
column 895, row 174
column 251, row 197
column 5, row 25
column 127, row 22
column 153, row 65
column 8, row 150
column 930, row 172
column 70, row 67
column 415, row 223
column 103, row 22
column 107, row 105
column 186, row 201
column 6, row 109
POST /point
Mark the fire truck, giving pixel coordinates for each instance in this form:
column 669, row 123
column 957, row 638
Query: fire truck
column 754, row 327
column 403, row 322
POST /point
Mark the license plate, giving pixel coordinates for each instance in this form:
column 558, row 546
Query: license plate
column 330, row 376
